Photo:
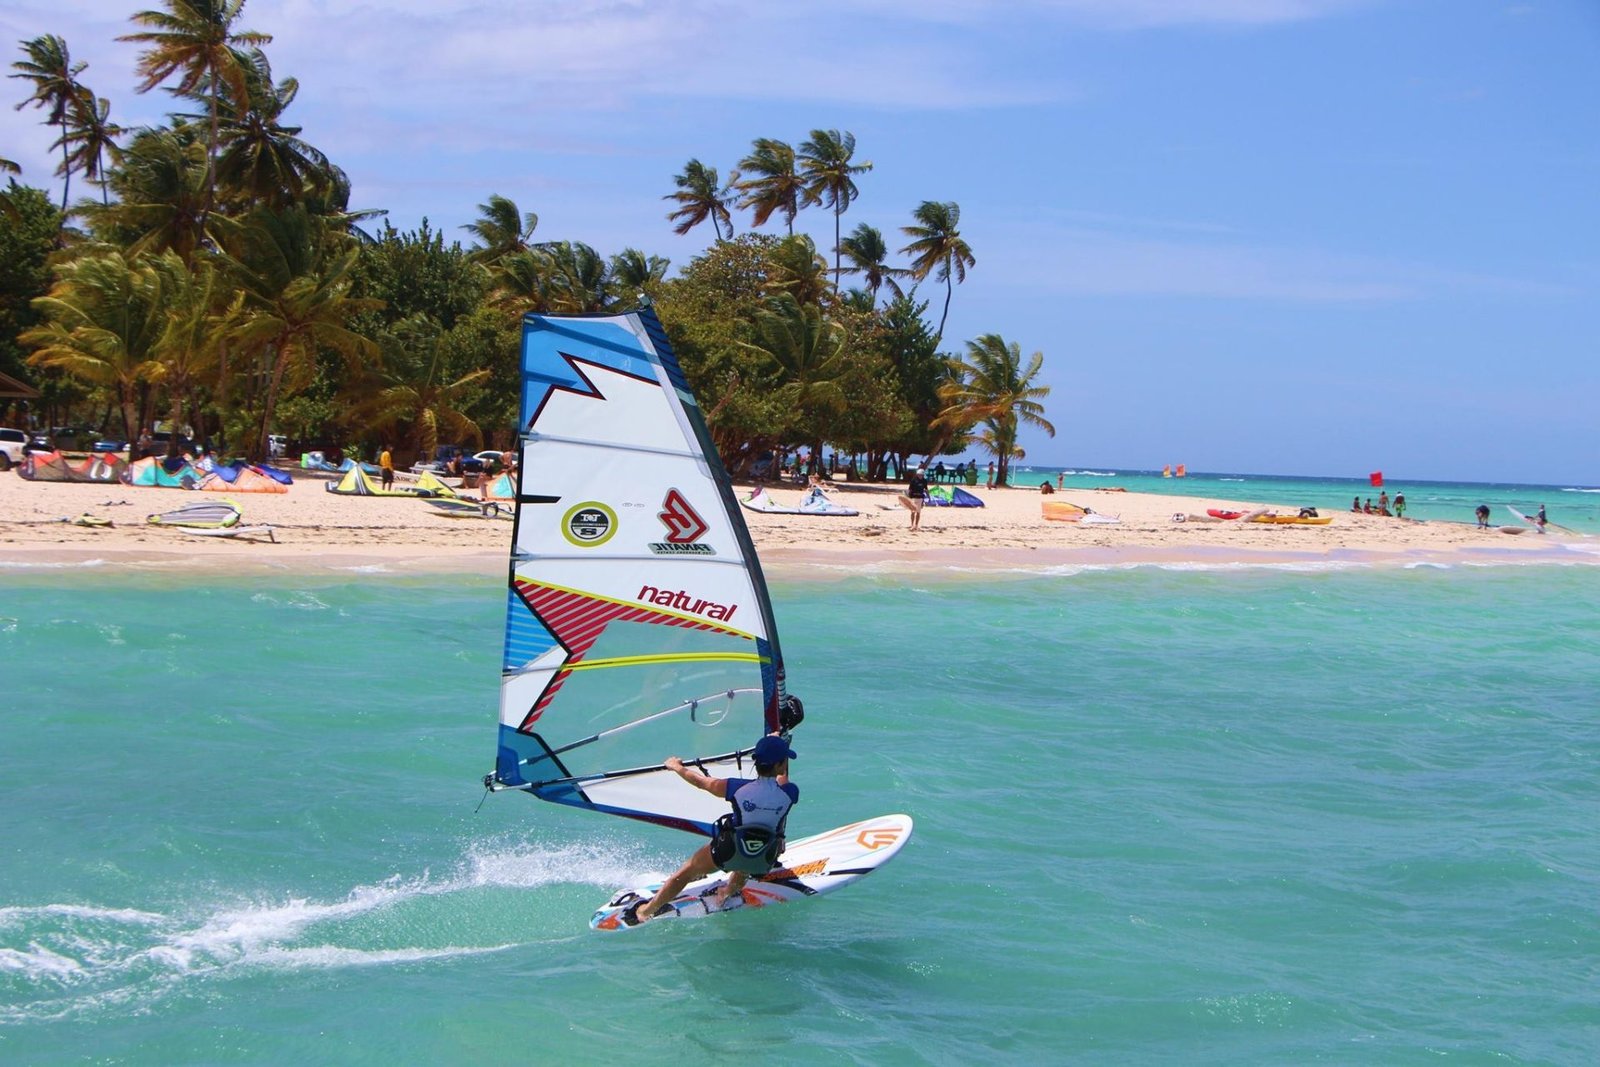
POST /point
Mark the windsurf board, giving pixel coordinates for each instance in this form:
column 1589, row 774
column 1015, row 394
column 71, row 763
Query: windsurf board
column 811, row 867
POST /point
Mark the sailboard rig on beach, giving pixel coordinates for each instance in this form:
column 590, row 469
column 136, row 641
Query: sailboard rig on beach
column 638, row 624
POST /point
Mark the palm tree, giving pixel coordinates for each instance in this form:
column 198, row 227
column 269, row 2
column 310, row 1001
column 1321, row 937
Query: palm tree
column 55, row 88
column 992, row 387
column 415, row 397
column 701, row 196
column 161, row 191
column 795, row 267
column 195, row 40
column 202, row 312
column 103, row 320
column 93, row 137
column 8, row 167
column 809, row 352
column 260, row 160
column 579, row 278
column 633, row 273
column 502, row 229
column 295, row 271
column 520, row 282
column 825, row 163
column 937, row 248
column 776, row 185
column 868, row 253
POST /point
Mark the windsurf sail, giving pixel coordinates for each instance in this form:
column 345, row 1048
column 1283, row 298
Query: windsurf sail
column 638, row 624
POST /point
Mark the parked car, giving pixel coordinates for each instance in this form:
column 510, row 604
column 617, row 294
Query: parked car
column 277, row 444
column 14, row 444
column 162, row 438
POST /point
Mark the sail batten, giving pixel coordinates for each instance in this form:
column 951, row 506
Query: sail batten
column 637, row 623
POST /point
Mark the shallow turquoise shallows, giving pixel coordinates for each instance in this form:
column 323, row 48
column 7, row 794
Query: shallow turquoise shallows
column 1238, row 817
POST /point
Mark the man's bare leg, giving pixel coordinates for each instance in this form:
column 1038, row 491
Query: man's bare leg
column 698, row 866
column 733, row 887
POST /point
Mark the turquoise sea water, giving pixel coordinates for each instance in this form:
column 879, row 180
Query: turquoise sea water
column 1163, row 816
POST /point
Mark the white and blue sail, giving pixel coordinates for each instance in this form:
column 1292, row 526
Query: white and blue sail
column 638, row 624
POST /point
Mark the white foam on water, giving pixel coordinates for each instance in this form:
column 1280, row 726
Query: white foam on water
column 14, row 915
column 38, row 963
column 29, row 565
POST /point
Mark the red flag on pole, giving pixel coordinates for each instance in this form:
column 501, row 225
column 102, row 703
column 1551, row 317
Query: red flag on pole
column 1376, row 478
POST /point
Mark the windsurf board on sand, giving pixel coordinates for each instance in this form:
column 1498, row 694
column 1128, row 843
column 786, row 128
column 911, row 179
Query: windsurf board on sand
column 811, row 867
column 637, row 620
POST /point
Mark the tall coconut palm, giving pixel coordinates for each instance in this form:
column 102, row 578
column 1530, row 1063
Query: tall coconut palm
column 260, row 160
column 937, row 248
column 502, row 228
column 93, row 137
column 776, row 185
column 991, row 386
column 826, row 163
column 868, row 254
column 295, row 271
column 701, row 196
column 103, row 320
column 161, row 195
column 196, row 41
column 520, row 282
column 55, row 88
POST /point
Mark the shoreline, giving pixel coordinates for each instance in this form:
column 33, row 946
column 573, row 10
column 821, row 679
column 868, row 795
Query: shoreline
column 321, row 532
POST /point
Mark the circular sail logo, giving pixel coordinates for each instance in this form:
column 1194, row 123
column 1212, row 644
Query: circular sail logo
column 589, row 524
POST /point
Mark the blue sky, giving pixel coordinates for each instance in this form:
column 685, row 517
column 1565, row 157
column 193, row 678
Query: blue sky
column 1271, row 236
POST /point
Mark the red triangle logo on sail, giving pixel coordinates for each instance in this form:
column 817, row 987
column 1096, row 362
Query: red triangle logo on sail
column 683, row 523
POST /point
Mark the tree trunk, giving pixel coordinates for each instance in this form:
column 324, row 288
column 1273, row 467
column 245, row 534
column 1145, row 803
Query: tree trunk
column 280, row 363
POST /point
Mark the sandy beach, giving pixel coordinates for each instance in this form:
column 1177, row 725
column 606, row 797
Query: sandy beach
column 317, row 530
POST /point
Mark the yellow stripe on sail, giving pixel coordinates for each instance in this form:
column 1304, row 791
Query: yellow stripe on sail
column 666, row 657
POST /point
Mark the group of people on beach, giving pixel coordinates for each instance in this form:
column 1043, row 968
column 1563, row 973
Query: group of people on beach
column 1382, row 507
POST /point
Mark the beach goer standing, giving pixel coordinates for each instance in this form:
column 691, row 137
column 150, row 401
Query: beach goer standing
column 491, row 469
column 1539, row 520
column 1399, row 505
column 747, row 841
column 386, row 466
column 990, row 483
column 1383, row 502
column 915, row 496
column 1483, row 516
column 1061, row 480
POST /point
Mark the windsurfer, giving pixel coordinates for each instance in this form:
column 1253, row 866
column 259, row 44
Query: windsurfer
column 748, row 840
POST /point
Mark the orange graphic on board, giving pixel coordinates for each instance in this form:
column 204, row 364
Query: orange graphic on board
column 879, row 838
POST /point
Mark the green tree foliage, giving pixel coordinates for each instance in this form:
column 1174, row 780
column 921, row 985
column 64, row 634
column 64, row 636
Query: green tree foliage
column 103, row 320
column 502, row 229
column 27, row 239
column 195, row 42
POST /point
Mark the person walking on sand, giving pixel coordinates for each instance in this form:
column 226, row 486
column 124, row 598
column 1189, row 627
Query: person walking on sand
column 990, row 483
column 386, row 467
column 915, row 496
column 748, row 840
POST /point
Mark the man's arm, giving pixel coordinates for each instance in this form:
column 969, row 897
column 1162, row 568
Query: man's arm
column 717, row 787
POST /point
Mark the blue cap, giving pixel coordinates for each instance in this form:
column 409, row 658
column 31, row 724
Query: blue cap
column 772, row 750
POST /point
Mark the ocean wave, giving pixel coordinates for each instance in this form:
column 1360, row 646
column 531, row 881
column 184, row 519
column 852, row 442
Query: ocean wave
column 1572, row 490
column 31, row 565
